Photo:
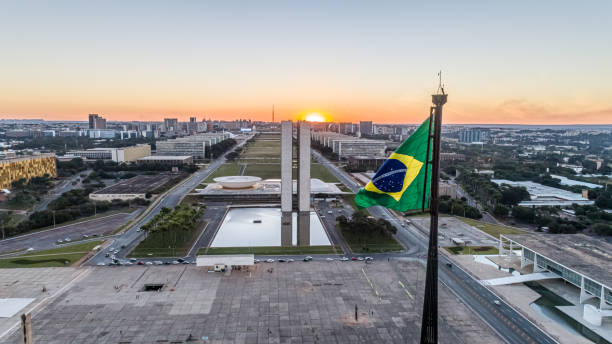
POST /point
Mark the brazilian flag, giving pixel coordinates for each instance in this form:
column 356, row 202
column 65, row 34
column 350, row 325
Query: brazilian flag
column 400, row 182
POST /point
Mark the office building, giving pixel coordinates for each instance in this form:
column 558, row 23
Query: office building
column 194, row 145
column 96, row 122
column 119, row 155
column 167, row 160
column 171, row 125
column 472, row 135
column 366, row 128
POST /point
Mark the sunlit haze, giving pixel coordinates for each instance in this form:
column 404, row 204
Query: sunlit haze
column 502, row 62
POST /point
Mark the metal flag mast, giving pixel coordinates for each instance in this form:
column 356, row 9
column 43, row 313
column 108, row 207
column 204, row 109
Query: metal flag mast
column 429, row 322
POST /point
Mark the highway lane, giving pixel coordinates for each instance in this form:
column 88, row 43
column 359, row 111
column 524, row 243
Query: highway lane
column 130, row 238
column 507, row 322
column 47, row 239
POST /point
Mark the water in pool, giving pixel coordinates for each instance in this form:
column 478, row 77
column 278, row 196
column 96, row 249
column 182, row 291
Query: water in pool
column 255, row 227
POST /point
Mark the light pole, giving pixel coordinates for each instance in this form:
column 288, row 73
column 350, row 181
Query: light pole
column 54, row 219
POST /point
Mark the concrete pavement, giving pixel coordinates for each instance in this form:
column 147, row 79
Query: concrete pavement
column 506, row 321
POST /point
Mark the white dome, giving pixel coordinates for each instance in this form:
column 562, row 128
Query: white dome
column 237, row 182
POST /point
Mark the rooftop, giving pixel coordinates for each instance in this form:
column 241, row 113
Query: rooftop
column 545, row 195
column 136, row 185
column 166, row 157
column 586, row 255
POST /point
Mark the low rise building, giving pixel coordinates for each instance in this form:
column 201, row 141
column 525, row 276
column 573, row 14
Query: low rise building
column 542, row 195
column 167, row 160
column 194, row 145
column 119, row 155
column 345, row 146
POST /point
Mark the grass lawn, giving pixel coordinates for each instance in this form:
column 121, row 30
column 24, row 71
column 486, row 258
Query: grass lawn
column 167, row 244
column 350, row 200
column 472, row 250
column 263, row 171
column 493, row 230
column 56, row 257
column 269, row 251
column 229, row 169
column 272, row 171
column 344, row 188
column 371, row 243
column 321, row 172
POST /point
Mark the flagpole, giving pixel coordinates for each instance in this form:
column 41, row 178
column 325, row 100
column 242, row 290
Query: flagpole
column 429, row 322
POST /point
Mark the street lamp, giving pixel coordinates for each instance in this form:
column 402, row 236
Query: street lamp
column 54, row 219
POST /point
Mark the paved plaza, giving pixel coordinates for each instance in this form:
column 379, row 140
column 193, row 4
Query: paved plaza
column 296, row 302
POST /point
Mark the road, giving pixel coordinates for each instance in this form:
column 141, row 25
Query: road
column 47, row 239
column 61, row 187
column 507, row 322
column 130, row 238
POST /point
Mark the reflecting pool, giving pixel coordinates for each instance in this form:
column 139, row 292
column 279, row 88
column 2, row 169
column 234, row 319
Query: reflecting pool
column 253, row 227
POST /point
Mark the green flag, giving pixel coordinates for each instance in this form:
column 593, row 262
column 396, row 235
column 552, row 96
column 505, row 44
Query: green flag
column 400, row 182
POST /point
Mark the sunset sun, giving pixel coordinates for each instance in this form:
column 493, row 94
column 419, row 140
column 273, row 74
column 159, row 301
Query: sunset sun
column 315, row 117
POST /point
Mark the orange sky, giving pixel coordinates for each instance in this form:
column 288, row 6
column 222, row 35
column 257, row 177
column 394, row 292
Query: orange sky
column 502, row 62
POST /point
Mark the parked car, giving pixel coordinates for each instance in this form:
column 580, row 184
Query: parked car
column 269, row 260
column 329, row 259
column 307, row 258
column 344, row 259
column 281, row 260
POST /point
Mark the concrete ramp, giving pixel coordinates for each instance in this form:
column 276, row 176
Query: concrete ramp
column 520, row 278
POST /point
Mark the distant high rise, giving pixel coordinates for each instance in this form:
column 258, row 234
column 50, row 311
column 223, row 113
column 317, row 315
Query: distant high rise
column 171, row 124
column 472, row 135
column 192, row 120
column 366, row 128
column 345, row 128
column 96, row 122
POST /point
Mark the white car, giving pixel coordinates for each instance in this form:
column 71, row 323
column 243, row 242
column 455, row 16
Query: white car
column 30, row 249
column 344, row 259
column 60, row 241
column 290, row 260
column 270, row 260
column 149, row 263
column 101, row 264
column 67, row 239
column 329, row 259
column 158, row 262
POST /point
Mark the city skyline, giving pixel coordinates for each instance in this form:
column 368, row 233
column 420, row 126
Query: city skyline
column 502, row 63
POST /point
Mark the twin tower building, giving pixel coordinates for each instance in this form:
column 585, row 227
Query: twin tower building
column 303, row 183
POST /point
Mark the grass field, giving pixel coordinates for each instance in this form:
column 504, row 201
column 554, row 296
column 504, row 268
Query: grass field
column 167, row 244
column 472, row 250
column 263, row 148
column 57, row 257
column 272, row 171
column 371, row 243
column 229, row 169
column 269, row 251
column 493, row 230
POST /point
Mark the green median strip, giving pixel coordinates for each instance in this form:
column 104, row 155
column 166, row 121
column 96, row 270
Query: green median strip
column 56, row 257
column 472, row 250
column 491, row 229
